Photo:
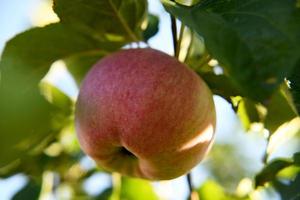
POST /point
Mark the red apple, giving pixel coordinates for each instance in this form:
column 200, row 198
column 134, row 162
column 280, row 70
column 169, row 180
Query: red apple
column 144, row 114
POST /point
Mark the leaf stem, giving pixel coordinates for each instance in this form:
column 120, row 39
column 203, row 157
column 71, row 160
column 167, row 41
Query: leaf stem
column 190, row 46
column 266, row 154
column 182, row 27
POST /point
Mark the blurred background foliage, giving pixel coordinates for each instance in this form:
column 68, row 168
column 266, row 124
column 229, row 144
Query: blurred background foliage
column 251, row 65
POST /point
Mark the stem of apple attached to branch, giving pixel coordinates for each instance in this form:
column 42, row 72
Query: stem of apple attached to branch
column 193, row 195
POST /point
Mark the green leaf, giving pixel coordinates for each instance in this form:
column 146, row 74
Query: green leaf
column 114, row 20
column 280, row 110
column 270, row 171
column 24, row 112
column 211, row 190
column 255, row 41
column 296, row 158
column 105, row 195
column 273, row 169
column 63, row 105
column 247, row 112
column 290, row 190
column 285, row 133
column 294, row 80
column 136, row 189
column 188, row 2
column 220, row 85
column 152, row 27
column 79, row 65
column 30, row 191
column 131, row 189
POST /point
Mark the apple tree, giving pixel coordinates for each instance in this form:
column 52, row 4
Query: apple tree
column 247, row 52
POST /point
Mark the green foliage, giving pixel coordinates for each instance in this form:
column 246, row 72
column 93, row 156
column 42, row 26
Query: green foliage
column 30, row 191
column 79, row 65
column 256, row 44
column 247, row 112
column 152, row 27
column 211, row 190
column 246, row 37
column 23, row 64
column 110, row 21
column 27, row 58
column 270, row 171
column 289, row 190
column 228, row 157
column 131, row 189
column 280, row 110
column 295, row 86
column 131, row 186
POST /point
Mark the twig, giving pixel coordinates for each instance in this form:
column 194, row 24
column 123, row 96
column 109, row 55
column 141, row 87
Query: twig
column 266, row 154
column 179, row 40
column 190, row 46
column 174, row 31
column 193, row 194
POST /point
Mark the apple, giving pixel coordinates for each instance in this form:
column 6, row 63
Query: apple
column 142, row 113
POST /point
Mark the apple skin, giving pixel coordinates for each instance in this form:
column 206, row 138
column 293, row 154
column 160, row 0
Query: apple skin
column 142, row 113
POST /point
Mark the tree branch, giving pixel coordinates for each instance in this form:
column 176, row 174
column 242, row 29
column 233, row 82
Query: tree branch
column 193, row 194
column 174, row 32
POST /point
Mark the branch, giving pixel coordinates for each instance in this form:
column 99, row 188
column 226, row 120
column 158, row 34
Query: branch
column 174, row 31
column 193, row 194
column 179, row 40
column 266, row 154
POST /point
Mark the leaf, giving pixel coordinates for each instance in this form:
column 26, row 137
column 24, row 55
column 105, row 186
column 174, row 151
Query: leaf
column 188, row 2
column 79, row 65
column 63, row 105
column 255, row 41
column 30, row 191
column 152, row 27
column 247, row 112
column 296, row 158
column 131, row 189
column 24, row 112
column 211, row 190
column 270, row 171
column 136, row 189
column 289, row 191
column 220, row 85
column 280, row 110
column 113, row 20
column 104, row 195
column 294, row 80
column 285, row 133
